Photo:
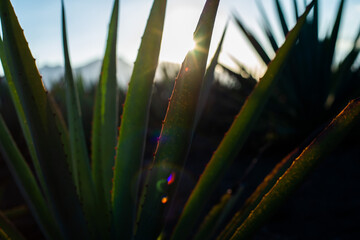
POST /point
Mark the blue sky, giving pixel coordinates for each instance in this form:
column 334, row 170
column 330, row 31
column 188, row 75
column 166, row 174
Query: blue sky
column 88, row 20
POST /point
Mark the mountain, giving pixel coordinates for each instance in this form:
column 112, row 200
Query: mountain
column 90, row 72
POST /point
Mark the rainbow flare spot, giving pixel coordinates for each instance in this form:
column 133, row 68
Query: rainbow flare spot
column 171, row 178
column 164, row 200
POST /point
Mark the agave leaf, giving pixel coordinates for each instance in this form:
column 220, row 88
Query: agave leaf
column 271, row 38
column 296, row 10
column 325, row 60
column 281, row 18
column 209, row 77
column 81, row 171
column 240, row 65
column 130, row 148
column 229, row 208
column 247, row 83
column 105, row 118
column 237, row 134
column 16, row 212
column 21, row 115
column 257, row 195
column 177, row 130
column 266, row 26
column 341, row 77
column 315, row 20
column 7, row 230
column 43, row 124
column 217, row 214
column 300, row 168
column 234, row 200
column 207, row 226
column 255, row 43
column 231, row 72
column 27, row 184
column 311, row 62
column 260, row 6
column 329, row 44
column 263, row 188
column 335, row 32
column 73, row 110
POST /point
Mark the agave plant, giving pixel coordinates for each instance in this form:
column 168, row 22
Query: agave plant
column 76, row 195
column 313, row 87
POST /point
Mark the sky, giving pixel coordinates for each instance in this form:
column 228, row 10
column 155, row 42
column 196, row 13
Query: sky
column 87, row 22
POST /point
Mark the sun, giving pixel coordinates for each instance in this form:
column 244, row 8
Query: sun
column 178, row 34
column 176, row 48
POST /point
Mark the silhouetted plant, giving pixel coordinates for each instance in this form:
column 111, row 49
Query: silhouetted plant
column 313, row 87
column 75, row 195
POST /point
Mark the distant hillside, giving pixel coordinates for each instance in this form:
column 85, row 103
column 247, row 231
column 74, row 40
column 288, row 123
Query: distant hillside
column 90, row 72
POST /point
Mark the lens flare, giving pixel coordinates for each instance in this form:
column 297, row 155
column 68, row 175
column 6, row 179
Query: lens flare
column 164, row 200
column 171, row 178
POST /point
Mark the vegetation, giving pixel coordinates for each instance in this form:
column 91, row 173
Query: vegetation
column 97, row 190
column 313, row 88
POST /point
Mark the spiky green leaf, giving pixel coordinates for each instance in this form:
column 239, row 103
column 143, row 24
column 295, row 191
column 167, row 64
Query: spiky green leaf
column 21, row 115
column 47, row 134
column 105, row 118
column 320, row 147
column 177, row 129
column 7, row 229
column 237, row 134
column 257, row 195
column 27, row 184
column 209, row 77
column 95, row 217
column 281, row 17
column 218, row 214
column 259, row 49
column 266, row 25
column 134, row 121
column 206, row 228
